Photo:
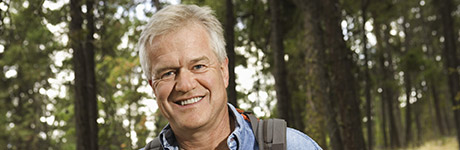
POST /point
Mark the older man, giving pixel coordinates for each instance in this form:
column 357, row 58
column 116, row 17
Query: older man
column 182, row 53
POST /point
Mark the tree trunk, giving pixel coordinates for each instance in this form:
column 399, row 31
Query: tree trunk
column 408, row 87
column 85, row 82
column 324, row 80
column 343, row 86
column 450, row 57
column 407, row 84
column 389, row 87
column 367, row 89
column 387, row 82
column 418, row 124
column 280, row 74
column 384, row 120
column 431, row 81
column 230, row 47
column 318, row 63
column 447, row 120
column 383, row 82
column 157, row 4
column 437, row 109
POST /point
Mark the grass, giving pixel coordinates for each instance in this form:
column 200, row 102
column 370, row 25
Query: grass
column 445, row 143
column 448, row 143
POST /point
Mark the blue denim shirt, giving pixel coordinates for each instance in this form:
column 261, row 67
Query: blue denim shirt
column 242, row 137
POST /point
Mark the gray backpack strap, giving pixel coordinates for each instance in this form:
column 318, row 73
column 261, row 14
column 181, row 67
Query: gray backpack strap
column 154, row 145
column 260, row 135
column 254, row 122
column 275, row 134
column 269, row 133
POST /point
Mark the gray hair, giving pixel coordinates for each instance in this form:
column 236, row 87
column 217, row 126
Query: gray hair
column 174, row 17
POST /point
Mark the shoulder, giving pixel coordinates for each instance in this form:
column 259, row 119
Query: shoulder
column 298, row 140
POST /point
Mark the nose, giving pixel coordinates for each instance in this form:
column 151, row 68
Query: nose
column 185, row 81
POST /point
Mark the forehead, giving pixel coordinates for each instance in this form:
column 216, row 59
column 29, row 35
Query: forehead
column 190, row 34
column 189, row 41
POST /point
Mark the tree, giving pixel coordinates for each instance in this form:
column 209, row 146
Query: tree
column 432, row 70
column 367, row 88
column 383, row 70
column 412, row 39
column 230, row 47
column 25, row 48
column 390, row 88
column 279, row 71
column 408, row 67
column 85, row 80
column 157, row 4
column 450, row 57
column 342, row 79
column 318, row 69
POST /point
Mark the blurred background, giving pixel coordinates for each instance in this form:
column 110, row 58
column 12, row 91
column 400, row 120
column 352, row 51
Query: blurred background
column 352, row 74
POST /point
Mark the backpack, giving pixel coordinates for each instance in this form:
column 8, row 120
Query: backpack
column 270, row 132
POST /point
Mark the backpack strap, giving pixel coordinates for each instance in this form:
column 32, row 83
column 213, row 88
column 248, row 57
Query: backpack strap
column 254, row 122
column 269, row 133
column 275, row 134
column 154, row 145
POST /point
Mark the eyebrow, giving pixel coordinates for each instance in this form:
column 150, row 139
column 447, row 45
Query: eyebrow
column 202, row 58
column 170, row 67
column 162, row 69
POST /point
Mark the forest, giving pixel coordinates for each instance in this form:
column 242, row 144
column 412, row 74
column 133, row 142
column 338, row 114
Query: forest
column 352, row 74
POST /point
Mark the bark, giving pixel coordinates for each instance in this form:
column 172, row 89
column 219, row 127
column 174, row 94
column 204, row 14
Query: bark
column 383, row 85
column 431, row 81
column 418, row 124
column 317, row 56
column 230, row 47
column 383, row 125
column 393, row 94
column 280, row 74
column 447, row 120
column 157, row 4
column 367, row 89
column 395, row 140
column 437, row 108
column 387, row 81
column 343, row 86
column 85, row 83
column 331, row 114
column 450, row 57
column 408, row 87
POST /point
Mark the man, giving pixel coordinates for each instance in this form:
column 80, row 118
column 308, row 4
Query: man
column 182, row 53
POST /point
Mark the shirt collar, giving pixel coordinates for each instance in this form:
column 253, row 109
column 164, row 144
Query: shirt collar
column 241, row 135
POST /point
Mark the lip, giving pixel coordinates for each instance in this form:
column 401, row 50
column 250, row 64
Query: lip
column 188, row 105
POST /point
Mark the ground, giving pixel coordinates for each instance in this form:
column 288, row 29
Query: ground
column 448, row 143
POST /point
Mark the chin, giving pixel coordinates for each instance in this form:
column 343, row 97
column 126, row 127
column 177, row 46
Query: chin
column 192, row 125
column 192, row 122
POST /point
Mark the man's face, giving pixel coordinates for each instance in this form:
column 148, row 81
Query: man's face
column 188, row 80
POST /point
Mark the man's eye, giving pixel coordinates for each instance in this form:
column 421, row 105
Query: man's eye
column 167, row 75
column 197, row 67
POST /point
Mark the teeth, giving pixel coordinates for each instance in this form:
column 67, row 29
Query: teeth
column 190, row 101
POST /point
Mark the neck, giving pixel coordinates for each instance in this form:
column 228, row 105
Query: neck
column 212, row 137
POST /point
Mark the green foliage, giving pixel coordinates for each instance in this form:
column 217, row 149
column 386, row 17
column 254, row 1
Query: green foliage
column 37, row 79
column 412, row 61
column 27, row 47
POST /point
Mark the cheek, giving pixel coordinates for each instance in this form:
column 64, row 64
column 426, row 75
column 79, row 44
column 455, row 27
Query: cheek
column 162, row 91
column 212, row 81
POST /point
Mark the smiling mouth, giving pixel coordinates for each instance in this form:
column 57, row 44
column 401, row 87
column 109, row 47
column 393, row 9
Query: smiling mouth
column 189, row 101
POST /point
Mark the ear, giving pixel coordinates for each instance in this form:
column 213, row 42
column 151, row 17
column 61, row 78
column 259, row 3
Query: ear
column 224, row 68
